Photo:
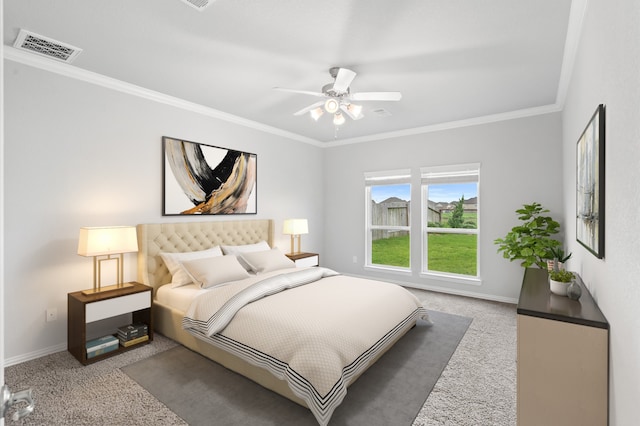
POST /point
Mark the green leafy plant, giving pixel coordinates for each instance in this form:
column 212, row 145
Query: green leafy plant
column 531, row 241
column 562, row 276
column 558, row 253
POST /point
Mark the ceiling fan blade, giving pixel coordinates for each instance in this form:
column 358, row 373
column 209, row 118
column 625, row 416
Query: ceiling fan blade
column 343, row 80
column 309, row 108
column 303, row 92
column 376, row 96
column 351, row 113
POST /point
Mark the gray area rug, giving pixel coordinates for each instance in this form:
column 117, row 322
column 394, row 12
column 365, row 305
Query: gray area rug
column 391, row 392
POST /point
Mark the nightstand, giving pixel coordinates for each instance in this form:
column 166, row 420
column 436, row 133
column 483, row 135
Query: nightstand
column 305, row 259
column 85, row 309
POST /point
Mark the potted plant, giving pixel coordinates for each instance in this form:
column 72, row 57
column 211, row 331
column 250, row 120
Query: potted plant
column 559, row 281
column 531, row 241
column 559, row 259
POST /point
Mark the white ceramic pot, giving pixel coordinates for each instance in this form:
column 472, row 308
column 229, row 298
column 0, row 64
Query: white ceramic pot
column 558, row 287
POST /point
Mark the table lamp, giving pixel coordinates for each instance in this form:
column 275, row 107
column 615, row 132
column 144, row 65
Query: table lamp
column 295, row 228
column 103, row 244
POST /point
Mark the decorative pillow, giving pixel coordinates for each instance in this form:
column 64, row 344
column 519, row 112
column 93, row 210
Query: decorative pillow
column 266, row 261
column 246, row 248
column 179, row 276
column 215, row 271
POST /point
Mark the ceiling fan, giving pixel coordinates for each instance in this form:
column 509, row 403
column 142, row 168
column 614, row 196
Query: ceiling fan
column 337, row 97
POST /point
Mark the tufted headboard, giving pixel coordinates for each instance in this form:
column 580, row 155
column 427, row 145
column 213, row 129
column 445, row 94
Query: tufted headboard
column 156, row 238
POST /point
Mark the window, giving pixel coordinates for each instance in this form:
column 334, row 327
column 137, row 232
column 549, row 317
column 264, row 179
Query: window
column 388, row 209
column 450, row 220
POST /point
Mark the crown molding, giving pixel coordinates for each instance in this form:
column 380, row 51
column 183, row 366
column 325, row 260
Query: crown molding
column 574, row 32
column 47, row 64
column 476, row 121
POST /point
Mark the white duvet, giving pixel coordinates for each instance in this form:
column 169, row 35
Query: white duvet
column 313, row 328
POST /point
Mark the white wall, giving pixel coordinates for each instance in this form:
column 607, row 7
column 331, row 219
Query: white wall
column 82, row 155
column 521, row 162
column 606, row 71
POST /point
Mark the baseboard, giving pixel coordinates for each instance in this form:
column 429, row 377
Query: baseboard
column 36, row 354
column 482, row 296
column 446, row 290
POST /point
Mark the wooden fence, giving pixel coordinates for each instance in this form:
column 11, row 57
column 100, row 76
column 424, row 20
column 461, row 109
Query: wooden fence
column 395, row 213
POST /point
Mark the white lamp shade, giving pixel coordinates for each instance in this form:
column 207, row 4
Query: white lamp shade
column 331, row 105
column 316, row 113
column 295, row 227
column 96, row 241
column 355, row 110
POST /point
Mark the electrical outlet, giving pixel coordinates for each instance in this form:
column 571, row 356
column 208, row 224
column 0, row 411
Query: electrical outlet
column 52, row 314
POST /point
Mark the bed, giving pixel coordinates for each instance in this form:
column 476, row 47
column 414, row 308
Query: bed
column 304, row 333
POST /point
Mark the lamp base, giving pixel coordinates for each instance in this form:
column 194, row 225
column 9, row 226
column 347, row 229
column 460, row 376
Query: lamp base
column 106, row 288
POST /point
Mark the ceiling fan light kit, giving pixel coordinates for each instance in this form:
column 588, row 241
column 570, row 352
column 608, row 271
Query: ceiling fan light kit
column 316, row 113
column 354, row 111
column 331, row 106
column 338, row 97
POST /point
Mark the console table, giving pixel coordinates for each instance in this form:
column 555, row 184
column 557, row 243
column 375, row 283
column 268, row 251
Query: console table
column 563, row 356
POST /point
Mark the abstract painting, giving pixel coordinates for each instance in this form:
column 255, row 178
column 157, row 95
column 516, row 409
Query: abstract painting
column 590, row 185
column 202, row 179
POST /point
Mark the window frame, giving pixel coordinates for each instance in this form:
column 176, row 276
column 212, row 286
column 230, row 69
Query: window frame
column 456, row 173
column 380, row 178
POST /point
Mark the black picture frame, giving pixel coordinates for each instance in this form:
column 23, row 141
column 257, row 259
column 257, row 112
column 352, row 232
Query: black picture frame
column 590, row 184
column 201, row 179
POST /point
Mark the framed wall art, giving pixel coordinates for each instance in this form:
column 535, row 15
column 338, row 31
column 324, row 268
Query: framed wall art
column 202, row 179
column 590, row 184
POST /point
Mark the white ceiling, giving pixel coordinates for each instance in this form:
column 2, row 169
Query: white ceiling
column 452, row 60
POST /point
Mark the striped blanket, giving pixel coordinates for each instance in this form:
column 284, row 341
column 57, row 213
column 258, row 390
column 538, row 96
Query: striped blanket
column 313, row 328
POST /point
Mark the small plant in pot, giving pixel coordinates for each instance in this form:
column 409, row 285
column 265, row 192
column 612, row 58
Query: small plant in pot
column 559, row 281
column 559, row 259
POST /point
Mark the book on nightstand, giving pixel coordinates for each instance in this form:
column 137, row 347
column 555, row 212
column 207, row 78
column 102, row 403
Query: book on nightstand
column 132, row 334
column 127, row 343
column 101, row 345
column 132, row 331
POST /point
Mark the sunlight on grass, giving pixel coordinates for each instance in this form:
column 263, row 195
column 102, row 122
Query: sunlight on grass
column 455, row 253
column 391, row 252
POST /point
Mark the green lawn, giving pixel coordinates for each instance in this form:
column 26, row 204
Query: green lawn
column 469, row 217
column 455, row 253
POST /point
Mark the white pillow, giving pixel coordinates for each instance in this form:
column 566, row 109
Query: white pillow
column 179, row 276
column 215, row 271
column 245, row 248
column 266, row 261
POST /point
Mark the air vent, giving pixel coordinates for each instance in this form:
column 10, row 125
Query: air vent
column 381, row 112
column 198, row 4
column 46, row 46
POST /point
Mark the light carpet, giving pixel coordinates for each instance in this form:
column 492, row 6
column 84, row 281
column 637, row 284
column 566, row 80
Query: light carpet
column 391, row 392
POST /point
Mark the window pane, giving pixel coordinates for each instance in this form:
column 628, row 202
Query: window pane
column 391, row 248
column 455, row 253
column 445, row 210
column 390, row 207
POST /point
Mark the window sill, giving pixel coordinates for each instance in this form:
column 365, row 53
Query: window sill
column 458, row 279
column 391, row 270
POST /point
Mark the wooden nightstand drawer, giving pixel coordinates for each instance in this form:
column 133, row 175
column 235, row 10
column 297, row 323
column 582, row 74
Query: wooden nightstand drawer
column 120, row 305
column 303, row 260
